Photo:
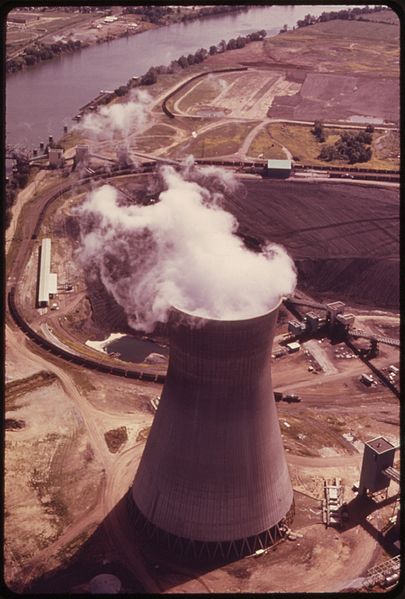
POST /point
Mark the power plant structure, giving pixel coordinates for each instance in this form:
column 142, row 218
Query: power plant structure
column 213, row 480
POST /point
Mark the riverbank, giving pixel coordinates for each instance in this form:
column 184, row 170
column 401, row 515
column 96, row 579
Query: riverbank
column 37, row 35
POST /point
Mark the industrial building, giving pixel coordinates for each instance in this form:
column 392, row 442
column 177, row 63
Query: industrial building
column 213, row 480
column 55, row 156
column 312, row 321
column 82, row 154
column 378, row 457
column 333, row 309
column 293, row 347
column 346, row 320
column 296, row 328
column 48, row 282
column 279, row 169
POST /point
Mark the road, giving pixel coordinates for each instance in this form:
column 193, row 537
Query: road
column 117, row 468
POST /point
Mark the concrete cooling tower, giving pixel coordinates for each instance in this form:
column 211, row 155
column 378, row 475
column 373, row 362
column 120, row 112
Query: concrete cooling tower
column 213, row 479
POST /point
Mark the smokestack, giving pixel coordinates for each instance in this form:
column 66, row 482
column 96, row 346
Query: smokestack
column 65, row 128
column 41, row 145
column 213, row 479
column 50, row 139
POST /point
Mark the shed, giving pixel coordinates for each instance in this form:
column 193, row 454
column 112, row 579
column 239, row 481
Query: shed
column 292, row 347
column 279, row 169
column 47, row 280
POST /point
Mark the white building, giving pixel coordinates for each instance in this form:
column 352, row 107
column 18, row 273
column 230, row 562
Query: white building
column 47, row 280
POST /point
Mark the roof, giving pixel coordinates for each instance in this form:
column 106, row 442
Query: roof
column 47, row 280
column 335, row 305
column 293, row 345
column 282, row 164
column 345, row 317
column 380, row 445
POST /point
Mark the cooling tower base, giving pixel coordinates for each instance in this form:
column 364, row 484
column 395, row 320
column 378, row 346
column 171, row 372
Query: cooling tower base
column 208, row 551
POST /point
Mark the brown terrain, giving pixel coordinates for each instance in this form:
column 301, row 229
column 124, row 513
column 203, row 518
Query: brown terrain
column 74, row 436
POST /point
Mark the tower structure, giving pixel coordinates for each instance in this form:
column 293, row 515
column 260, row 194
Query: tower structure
column 213, row 479
column 377, row 457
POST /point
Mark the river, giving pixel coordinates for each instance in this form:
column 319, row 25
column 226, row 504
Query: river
column 45, row 97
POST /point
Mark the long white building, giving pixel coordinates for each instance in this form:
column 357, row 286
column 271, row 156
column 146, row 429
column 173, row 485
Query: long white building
column 47, row 280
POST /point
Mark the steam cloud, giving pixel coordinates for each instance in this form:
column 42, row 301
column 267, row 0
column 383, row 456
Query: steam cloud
column 119, row 118
column 181, row 251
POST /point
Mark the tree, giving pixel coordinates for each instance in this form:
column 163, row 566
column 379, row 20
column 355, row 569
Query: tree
column 121, row 91
column 200, row 55
column 328, row 153
column 213, row 50
column 240, row 42
column 183, row 62
column 150, row 77
column 318, row 131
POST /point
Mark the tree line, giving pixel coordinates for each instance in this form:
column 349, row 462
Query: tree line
column 39, row 51
column 344, row 14
column 151, row 76
column 351, row 147
column 164, row 15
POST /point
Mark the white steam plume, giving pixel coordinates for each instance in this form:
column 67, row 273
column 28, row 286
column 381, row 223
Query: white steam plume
column 181, row 251
column 123, row 118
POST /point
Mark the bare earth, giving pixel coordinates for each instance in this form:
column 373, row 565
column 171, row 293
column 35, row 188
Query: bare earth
column 65, row 517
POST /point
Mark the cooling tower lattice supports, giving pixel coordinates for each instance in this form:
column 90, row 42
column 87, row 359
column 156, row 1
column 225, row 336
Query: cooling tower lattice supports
column 213, row 478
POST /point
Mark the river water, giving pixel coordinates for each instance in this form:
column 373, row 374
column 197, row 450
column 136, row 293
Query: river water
column 45, row 97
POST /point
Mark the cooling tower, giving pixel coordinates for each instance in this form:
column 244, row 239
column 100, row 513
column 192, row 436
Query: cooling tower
column 213, row 478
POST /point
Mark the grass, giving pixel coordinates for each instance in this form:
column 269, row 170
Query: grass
column 220, row 141
column 298, row 139
column 152, row 143
column 265, row 144
column 305, row 148
column 160, row 129
column 204, row 92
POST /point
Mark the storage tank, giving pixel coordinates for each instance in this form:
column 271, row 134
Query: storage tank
column 213, row 479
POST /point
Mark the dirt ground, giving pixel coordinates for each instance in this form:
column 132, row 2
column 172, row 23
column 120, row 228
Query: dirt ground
column 61, row 468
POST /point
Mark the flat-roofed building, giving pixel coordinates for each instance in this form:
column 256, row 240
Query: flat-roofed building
column 345, row 319
column 293, row 347
column 48, row 281
column 279, row 169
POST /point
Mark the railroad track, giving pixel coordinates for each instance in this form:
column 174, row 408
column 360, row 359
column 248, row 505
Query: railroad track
column 77, row 358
